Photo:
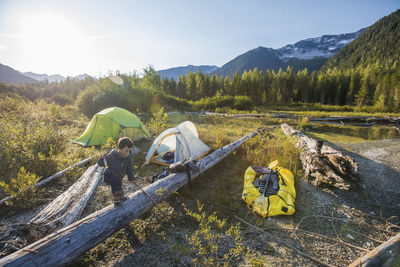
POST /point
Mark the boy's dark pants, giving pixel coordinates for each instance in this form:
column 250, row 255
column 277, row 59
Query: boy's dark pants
column 113, row 180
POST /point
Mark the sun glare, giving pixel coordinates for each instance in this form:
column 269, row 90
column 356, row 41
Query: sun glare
column 53, row 41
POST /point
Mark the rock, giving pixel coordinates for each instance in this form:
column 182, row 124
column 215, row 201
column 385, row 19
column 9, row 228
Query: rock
column 349, row 236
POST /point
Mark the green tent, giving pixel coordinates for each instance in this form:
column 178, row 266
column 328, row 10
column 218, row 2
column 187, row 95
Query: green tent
column 109, row 123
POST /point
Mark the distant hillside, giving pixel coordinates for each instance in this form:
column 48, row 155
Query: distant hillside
column 311, row 53
column 82, row 77
column 379, row 43
column 178, row 71
column 43, row 77
column 55, row 77
column 11, row 76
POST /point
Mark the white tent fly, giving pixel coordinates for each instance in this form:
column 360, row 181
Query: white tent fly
column 183, row 141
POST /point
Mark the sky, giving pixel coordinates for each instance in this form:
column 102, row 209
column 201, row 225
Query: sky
column 71, row 37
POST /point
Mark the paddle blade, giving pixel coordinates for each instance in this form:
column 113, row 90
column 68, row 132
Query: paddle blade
column 273, row 164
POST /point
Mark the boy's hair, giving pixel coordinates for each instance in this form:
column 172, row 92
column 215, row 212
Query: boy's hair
column 125, row 141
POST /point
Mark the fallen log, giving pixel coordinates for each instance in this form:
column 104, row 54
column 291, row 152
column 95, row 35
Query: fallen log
column 48, row 179
column 358, row 120
column 68, row 243
column 68, row 206
column 272, row 115
column 62, row 211
column 323, row 165
column 387, row 254
column 348, row 118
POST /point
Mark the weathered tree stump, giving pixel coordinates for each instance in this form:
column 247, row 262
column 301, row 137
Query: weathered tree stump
column 323, row 165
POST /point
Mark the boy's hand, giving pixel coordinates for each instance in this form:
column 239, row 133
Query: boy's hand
column 132, row 181
column 103, row 156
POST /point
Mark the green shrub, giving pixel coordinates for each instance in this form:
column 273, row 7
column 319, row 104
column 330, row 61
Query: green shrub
column 158, row 123
column 204, row 244
column 62, row 99
column 173, row 102
column 33, row 143
column 233, row 102
column 110, row 144
column 23, row 186
column 105, row 94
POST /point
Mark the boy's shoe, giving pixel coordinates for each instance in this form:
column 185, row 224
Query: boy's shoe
column 119, row 197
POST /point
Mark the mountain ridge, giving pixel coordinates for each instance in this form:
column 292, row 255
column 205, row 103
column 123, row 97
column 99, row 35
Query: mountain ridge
column 380, row 42
column 11, row 76
column 175, row 72
column 310, row 53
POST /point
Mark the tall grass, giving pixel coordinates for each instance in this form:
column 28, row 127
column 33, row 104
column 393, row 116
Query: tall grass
column 261, row 150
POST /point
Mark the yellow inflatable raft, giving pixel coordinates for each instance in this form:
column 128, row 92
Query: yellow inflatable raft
column 269, row 191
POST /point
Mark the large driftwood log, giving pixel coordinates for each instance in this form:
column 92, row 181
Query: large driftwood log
column 62, row 211
column 68, row 206
column 367, row 119
column 348, row 120
column 352, row 120
column 387, row 254
column 238, row 115
column 48, row 179
column 72, row 241
column 323, row 165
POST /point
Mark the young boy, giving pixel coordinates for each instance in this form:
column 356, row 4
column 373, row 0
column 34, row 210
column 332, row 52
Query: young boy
column 119, row 163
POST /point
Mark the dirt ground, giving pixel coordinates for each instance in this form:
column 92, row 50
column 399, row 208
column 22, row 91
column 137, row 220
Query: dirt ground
column 342, row 225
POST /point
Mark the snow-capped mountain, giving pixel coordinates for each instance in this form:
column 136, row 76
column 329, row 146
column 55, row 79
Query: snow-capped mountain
column 311, row 53
column 323, row 46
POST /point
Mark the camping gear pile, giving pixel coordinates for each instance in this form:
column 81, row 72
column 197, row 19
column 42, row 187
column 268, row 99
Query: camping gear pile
column 188, row 166
column 269, row 191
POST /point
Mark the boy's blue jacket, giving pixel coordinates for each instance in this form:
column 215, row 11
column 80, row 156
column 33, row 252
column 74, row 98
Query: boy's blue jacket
column 118, row 165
